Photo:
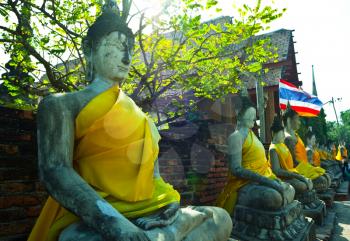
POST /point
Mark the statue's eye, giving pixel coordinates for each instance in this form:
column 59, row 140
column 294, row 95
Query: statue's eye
column 125, row 46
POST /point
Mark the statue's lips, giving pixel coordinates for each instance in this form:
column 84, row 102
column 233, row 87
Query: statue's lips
column 121, row 68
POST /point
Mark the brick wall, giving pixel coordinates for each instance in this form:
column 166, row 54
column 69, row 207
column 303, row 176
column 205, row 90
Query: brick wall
column 191, row 159
column 21, row 194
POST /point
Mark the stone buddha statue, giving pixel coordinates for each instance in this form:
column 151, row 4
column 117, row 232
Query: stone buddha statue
column 321, row 180
column 282, row 165
column 98, row 158
column 330, row 164
column 342, row 152
column 313, row 155
column 256, row 199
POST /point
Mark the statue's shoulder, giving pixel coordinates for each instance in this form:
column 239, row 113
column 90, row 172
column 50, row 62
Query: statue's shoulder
column 59, row 103
column 237, row 136
column 289, row 139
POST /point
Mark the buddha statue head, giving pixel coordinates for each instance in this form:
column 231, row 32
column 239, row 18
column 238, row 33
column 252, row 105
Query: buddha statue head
column 291, row 118
column 277, row 130
column 108, row 45
column 245, row 112
column 310, row 138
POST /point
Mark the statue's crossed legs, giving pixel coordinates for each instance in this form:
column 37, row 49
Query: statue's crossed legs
column 191, row 224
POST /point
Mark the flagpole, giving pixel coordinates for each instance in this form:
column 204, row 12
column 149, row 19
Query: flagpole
column 335, row 112
column 261, row 105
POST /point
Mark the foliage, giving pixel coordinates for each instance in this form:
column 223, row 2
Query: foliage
column 181, row 57
column 318, row 125
column 340, row 132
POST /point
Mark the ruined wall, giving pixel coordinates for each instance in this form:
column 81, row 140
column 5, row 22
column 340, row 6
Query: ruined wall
column 21, row 195
column 191, row 159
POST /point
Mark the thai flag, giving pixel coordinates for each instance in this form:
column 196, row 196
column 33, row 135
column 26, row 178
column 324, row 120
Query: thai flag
column 300, row 101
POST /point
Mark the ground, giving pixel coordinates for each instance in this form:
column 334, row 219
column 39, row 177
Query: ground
column 342, row 228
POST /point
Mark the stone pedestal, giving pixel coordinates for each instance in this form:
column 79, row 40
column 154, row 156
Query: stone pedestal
column 287, row 223
column 313, row 207
column 327, row 196
column 333, row 168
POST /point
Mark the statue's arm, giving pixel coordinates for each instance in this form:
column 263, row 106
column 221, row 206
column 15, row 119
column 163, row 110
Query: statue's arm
column 235, row 144
column 276, row 167
column 55, row 147
column 309, row 154
column 290, row 143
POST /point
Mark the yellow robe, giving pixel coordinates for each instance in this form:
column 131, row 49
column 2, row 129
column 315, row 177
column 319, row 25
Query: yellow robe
column 339, row 156
column 345, row 152
column 334, row 154
column 324, row 155
column 116, row 145
column 316, row 157
column 253, row 159
column 304, row 167
column 284, row 156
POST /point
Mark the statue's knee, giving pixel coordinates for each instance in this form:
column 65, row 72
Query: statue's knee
column 79, row 232
column 300, row 187
column 272, row 199
column 329, row 179
column 221, row 218
column 218, row 223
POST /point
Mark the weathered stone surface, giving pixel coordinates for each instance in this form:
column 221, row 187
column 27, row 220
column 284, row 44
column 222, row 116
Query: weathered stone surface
column 327, row 196
column 333, row 168
column 287, row 223
column 313, row 207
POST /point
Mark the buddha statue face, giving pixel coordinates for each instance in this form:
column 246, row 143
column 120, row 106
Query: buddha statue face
column 312, row 140
column 294, row 122
column 278, row 137
column 248, row 118
column 112, row 57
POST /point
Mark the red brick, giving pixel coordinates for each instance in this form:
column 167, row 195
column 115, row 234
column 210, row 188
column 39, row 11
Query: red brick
column 39, row 187
column 16, row 187
column 19, row 173
column 11, row 214
column 26, row 115
column 9, row 149
column 19, row 200
column 33, row 211
column 16, row 227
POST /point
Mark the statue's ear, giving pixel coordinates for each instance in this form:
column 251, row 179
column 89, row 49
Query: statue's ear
column 87, row 48
column 288, row 121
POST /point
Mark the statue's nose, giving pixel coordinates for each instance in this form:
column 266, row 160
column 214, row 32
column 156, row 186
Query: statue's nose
column 126, row 58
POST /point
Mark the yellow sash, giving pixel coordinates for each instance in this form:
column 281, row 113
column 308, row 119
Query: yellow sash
column 286, row 162
column 341, row 156
column 300, row 151
column 316, row 157
column 116, row 146
column 253, row 159
column 284, row 156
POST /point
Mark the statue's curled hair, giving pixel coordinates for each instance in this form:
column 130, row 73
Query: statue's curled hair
column 277, row 125
column 288, row 113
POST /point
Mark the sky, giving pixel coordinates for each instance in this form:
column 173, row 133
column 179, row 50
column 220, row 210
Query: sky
column 322, row 35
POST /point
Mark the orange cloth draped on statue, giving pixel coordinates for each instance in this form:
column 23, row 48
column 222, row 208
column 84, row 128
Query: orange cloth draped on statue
column 284, row 156
column 116, row 145
column 334, row 154
column 345, row 152
column 339, row 156
column 300, row 150
column 304, row 167
column 316, row 158
column 324, row 155
column 342, row 153
column 253, row 159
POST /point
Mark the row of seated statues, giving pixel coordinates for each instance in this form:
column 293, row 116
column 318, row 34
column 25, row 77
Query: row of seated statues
column 98, row 158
